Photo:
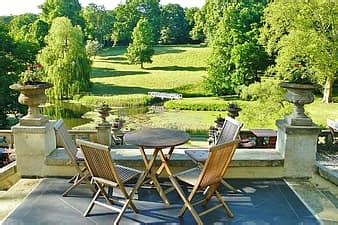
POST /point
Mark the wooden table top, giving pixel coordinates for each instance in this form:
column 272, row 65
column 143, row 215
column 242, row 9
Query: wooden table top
column 157, row 137
column 264, row 132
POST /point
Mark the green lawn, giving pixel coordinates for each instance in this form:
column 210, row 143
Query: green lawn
column 173, row 67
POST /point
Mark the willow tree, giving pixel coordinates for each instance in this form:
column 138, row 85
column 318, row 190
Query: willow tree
column 64, row 59
column 140, row 50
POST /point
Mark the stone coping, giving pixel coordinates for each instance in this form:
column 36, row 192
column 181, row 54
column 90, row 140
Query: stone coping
column 329, row 171
column 131, row 155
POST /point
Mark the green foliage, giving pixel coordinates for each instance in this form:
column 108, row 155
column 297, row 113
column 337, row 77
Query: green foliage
column 267, row 90
column 13, row 58
column 140, row 50
column 99, row 22
column 127, row 15
column 71, row 9
column 174, row 27
column 237, row 58
column 131, row 100
column 197, row 32
column 303, row 41
column 64, row 59
column 197, row 104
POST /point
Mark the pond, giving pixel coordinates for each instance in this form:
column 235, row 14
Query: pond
column 73, row 114
column 70, row 112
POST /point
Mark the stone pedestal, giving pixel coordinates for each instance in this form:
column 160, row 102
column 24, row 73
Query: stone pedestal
column 32, row 145
column 104, row 133
column 298, row 145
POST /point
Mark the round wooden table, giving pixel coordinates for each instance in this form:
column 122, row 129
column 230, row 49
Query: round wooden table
column 157, row 139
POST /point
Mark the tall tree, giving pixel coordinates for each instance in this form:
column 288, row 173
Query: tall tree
column 140, row 50
column 189, row 14
column 64, row 59
column 174, row 27
column 305, row 36
column 58, row 8
column 13, row 59
column 237, row 58
column 98, row 21
column 127, row 16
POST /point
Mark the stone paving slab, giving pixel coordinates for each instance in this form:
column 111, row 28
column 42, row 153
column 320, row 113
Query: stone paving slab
column 259, row 202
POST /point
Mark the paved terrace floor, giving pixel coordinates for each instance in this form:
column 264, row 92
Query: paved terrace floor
column 259, row 202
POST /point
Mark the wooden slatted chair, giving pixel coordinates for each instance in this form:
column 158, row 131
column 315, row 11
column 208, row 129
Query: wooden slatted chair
column 105, row 173
column 209, row 178
column 75, row 156
column 229, row 132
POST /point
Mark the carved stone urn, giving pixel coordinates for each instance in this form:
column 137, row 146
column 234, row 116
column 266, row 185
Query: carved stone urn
column 32, row 95
column 299, row 95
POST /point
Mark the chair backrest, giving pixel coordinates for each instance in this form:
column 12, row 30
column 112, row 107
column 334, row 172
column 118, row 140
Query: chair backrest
column 230, row 130
column 99, row 161
column 66, row 139
column 217, row 163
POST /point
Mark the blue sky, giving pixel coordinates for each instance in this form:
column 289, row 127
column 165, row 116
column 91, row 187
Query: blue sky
column 15, row 7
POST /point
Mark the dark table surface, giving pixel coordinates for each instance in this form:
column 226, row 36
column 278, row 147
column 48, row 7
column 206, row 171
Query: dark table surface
column 156, row 137
column 264, row 132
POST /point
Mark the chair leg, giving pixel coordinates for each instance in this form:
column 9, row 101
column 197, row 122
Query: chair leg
column 119, row 216
column 91, row 204
column 228, row 186
column 75, row 184
column 226, row 207
column 186, row 202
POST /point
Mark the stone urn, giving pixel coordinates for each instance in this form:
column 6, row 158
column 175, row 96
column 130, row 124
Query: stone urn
column 32, row 95
column 299, row 95
column 233, row 110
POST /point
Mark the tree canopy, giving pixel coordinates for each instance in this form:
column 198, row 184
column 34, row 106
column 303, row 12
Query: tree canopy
column 59, row 8
column 140, row 50
column 98, row 23
column 14, row 56
column 303, row 41
column 64, row 59
column 237, row 58
column 174, row 28
column 127, row 15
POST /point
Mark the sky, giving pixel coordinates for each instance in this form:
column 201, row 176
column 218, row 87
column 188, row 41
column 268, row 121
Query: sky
column 16, row 7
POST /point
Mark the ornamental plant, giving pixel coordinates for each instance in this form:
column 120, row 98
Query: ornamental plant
column 32, row 75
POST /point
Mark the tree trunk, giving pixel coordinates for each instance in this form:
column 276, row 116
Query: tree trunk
column 327, row 96
column 142, row 67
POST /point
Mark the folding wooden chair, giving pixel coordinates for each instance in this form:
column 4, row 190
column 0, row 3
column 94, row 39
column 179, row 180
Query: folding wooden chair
column 208, row 178
column 105, row 173
column 76, row 158
column 229, row 132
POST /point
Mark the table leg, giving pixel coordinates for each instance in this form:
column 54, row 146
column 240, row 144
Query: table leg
column 148, row 172
column 164, row 160
column 160, row 169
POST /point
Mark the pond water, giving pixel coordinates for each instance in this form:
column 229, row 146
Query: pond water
column 73, row 113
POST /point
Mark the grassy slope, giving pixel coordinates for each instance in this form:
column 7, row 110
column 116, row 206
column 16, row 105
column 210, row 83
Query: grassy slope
column 173, row 67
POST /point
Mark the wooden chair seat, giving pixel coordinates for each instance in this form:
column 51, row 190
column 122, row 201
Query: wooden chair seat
column 189, row 176
column 198, row 156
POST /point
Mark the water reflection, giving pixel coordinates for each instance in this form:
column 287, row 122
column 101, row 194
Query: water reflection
column 71, row 113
